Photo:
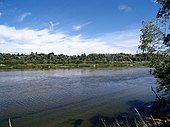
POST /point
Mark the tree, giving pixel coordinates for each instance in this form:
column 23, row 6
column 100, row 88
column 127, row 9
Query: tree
column 164, row 11
column 163, row 14
column 151, row 37
column 162, row 70
column 155, row 39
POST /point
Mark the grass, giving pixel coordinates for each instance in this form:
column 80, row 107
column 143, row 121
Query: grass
column 81, row 65
column 139, row 121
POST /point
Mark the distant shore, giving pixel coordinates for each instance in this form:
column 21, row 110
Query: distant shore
column 81, row 65
column 52, row 61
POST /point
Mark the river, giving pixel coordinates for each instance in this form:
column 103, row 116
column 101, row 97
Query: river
column 72, row 97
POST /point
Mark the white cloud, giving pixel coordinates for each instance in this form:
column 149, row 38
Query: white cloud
column 80, row 26
column 42, row 41
column 77, row 27
column 125, row 41
column 124, row 7
column 23, row 16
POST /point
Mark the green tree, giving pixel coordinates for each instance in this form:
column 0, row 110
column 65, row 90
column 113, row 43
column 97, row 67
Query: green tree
column 151, row 37
column 162, row 70
column 153, row 40
column 163, row 14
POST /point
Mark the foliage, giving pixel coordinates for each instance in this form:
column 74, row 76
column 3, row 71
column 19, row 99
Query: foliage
column 163, row 14
column 162, row 70
column 155, row 38
column 164, row 11
column 151, row 37
column 35, row 60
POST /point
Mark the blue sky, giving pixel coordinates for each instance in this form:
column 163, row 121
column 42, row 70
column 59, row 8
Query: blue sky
column 73, row 26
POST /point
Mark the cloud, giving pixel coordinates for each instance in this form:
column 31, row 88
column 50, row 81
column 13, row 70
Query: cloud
column 80, row 26
column 124, row 7
column 124, row 41
column 0, row 14
column 43, row 41
column 77, row 27
column 23, row 16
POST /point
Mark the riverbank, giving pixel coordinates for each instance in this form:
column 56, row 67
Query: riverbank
column 81, row 65
column 138, row 121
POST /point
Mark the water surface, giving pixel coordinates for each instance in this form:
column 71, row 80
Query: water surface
column 71, row 97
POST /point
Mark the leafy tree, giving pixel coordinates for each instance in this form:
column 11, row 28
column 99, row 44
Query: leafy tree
column 163, row 14
column 156, row 39
column 163, row 68
column 165, row 8
column 151, row 37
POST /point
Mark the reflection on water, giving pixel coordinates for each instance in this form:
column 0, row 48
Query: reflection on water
column 70, row 97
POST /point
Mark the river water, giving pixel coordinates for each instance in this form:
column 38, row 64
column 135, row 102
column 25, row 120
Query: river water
column 72, row 97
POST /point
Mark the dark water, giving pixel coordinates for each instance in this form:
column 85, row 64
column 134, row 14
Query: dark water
column 71, row 97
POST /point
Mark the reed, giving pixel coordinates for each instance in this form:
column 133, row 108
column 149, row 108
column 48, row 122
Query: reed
column 140, row 117
column 9, row 122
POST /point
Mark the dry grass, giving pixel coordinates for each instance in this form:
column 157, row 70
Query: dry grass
column 139, row 121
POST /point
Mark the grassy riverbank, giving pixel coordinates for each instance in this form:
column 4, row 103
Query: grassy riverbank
column 53, row 61
column 81, row 65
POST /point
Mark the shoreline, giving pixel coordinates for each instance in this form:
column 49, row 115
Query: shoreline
column 71, row 66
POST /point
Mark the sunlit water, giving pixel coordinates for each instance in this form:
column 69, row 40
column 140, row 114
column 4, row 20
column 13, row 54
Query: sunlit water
column 71, row 97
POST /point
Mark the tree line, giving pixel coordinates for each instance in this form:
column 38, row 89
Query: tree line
column 51, row 58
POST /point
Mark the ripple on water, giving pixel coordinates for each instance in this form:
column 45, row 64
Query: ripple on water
column 68, row 97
